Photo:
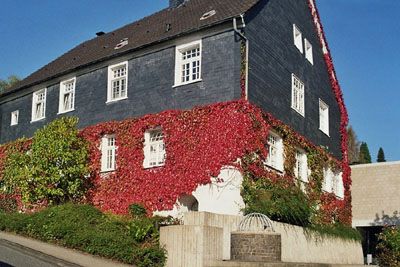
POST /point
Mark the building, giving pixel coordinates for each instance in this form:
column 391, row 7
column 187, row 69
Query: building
column 375, row 200
column 196, row 53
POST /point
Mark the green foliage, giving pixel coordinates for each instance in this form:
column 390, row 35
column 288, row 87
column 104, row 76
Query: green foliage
column 85, row 228
column 389, row 247
column 53, row 169
column 381, row 155
column 336, row 230
column 142, row 229
column 364, row 156
column 6, row 84
column 8, row 204
column 137, row 210
column 278, row 200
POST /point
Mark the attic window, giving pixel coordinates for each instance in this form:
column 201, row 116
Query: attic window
column 121, row 43
column 208, row 14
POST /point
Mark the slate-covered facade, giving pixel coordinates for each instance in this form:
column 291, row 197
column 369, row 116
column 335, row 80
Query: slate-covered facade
column 273, row 59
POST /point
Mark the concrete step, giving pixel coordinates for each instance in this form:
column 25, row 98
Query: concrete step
column 274, row 264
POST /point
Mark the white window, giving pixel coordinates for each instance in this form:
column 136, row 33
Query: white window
column 117, row 82
column 14, row 117
column 309, row 53
column 67, row 96
column 39, row 105
column 297, row 95
column 298, row 39
column 323, row 117
column 108, row 153
column 188, row 63
column 154, row 149
column 275, row 152
column 333, row 183
column 301, row 169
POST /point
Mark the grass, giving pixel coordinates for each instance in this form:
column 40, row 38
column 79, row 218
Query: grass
column 85, row 228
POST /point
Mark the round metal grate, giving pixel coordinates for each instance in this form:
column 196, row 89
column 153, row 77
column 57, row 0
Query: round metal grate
column 256, row 222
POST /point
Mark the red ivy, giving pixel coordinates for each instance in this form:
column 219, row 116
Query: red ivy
column 199, row 142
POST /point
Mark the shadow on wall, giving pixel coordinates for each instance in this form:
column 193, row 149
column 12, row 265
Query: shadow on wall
column 385, row 219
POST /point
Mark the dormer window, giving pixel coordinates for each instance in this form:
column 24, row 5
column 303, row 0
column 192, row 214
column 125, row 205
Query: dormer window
column 298, row 38
column 117, row 82
column 154, row 148
column 67, row 96
column 188, row 63
column 39, row 105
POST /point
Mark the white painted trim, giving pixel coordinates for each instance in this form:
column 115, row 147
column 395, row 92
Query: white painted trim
column 302, row 110
column 33, row 119
column 309, row 51
column 298, row 38
column 178, row 62
column 62, row 93
column 323, row 107
column 14, row 122
column 109, row 81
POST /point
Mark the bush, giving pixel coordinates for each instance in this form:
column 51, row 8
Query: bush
column 389, row 247
column 8, row 204
column 278, row 200
column 53, row 169
column 85, row 228
column 137, row 210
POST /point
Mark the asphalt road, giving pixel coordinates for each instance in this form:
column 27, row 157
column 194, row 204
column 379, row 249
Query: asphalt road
column 14, row 255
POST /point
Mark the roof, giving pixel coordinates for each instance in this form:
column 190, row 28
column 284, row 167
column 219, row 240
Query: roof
column 149, row 30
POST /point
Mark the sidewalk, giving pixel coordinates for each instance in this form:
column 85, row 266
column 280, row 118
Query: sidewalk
column 65, row 254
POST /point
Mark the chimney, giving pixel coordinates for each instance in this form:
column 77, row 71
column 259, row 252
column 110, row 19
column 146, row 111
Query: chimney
column 176, row 3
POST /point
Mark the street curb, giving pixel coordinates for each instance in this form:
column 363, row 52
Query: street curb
column 65, row 254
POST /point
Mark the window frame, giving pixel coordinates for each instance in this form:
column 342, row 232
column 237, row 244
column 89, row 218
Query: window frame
column 110, row 80
column 301, row 174
column 35, row 101
column 298, row 38
column 147, row 162
column 279, row 157
column 14, row 119
column 309, row 51
column 179, row 50
column 323, row 117
column 105, row 147
column 298, row 95
column 62, row 93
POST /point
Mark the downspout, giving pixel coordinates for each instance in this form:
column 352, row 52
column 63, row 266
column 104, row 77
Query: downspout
column 246, row 90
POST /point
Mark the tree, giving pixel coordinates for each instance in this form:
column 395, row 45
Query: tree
column 381, row 155
column 53, row 169
column 6, row 84
column 365, row 156
column 353, row 145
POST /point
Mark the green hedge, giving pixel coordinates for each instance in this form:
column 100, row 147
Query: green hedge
column 85, row 228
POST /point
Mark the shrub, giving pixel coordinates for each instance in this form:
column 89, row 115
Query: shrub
column 85, row 228
column 389, row 247
column 278, row 200
column 53, row 169
column 137, row 210
column 8, row 203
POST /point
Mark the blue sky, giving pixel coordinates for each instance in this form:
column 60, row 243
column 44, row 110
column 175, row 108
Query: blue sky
column 363, row 35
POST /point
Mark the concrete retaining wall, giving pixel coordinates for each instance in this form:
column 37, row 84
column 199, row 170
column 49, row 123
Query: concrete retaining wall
column 205, row 237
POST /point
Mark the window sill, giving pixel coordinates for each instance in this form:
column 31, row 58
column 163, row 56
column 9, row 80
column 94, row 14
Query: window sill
column 152, row 167
column 327, row 134
column 116, row 100
column 12, row 125
column 186, row 83
column 37, row 120
column 107, row 171
column 280, row 171
column 66, row 111
column 302, row 114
